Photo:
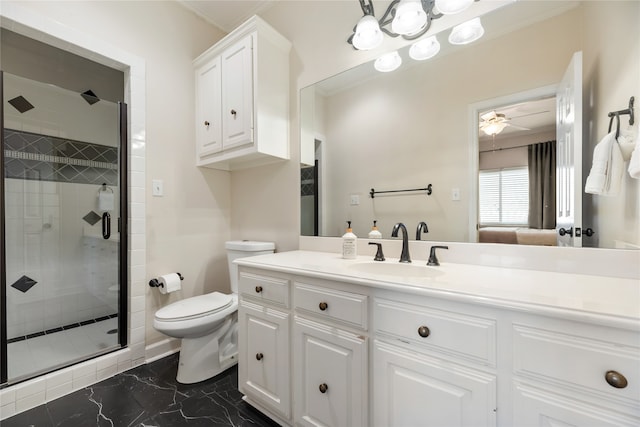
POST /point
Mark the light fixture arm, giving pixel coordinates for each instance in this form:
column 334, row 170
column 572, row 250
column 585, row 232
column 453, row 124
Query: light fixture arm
column 367, row 9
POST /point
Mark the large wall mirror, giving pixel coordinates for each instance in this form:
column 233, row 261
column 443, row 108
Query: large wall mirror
column 422, row 125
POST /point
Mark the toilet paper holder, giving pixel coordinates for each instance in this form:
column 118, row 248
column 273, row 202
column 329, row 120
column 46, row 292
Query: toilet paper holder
column 155, row 283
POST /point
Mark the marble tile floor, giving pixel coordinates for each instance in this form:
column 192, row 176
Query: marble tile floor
column 146, row 396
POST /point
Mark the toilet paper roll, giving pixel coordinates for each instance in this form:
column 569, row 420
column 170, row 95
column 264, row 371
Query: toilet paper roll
column 170, row 283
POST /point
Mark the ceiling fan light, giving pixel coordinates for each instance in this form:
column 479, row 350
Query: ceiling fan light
column 450, row 7
column 368, row 34
column 388, row 62
column 494, row 128
column 424, row 49
column 467, row 32
column 410, row 17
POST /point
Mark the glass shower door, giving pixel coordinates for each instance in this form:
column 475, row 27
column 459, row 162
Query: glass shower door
column 64, row 255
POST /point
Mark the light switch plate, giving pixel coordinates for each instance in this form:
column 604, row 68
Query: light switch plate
column 355, row 200
column 455, row 194
column 157, row 188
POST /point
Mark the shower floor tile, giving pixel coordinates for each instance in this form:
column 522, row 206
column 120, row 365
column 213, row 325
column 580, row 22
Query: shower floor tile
column 149, row 395
column 47, row 351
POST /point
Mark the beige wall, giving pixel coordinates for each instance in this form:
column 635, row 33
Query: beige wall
column 611, row 77
column 186, row 229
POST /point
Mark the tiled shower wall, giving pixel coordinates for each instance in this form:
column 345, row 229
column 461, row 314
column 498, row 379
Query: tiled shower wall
column 60, row 271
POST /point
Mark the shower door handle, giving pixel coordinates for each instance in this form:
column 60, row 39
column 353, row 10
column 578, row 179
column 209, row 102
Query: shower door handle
column 106, row 225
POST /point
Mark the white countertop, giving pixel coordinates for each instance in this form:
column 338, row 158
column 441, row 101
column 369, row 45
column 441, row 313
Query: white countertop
column 577, row 296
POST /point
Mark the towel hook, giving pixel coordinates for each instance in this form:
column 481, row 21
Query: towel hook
column 617, row 116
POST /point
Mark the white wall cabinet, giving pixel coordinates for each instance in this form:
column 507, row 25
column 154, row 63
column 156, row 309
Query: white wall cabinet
column 348, row 354
column 242, row 99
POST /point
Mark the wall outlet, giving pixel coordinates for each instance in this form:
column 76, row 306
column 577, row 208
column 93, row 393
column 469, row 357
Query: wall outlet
column 355, row 200
column 157, row 188
column 455, row 194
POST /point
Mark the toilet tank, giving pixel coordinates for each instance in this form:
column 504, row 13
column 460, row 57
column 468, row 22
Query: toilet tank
column 241, row 249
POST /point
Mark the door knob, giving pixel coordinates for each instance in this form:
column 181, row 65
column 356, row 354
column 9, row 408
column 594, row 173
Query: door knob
column 323, row 388
column 258, row 289
column 323, row 306
column 616, row 379
column 423, row 331
column 259, row 356
column 563, row 231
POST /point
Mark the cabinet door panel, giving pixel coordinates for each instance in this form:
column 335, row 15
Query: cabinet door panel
column 330, row 372
column 534, row 407
column 263, row 370
column 208, row 98
column 237, row 95
column 411, row 389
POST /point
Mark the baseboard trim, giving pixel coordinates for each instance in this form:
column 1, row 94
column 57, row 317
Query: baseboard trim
column 161, row 349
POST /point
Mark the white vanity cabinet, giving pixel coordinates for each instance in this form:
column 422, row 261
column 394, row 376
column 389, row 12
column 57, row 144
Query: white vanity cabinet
column 432, row 366
column 242, row 99
column 330, row 364
column 264, row 374
column 372, row 351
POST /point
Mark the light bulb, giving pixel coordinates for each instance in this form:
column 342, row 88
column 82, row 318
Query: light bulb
column 424, row 49
column 388, row 62
column 368, row 35
column 410, row 17
column 466, row 32
column 450, row 7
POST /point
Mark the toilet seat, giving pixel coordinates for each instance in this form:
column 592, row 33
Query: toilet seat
column 194, row 307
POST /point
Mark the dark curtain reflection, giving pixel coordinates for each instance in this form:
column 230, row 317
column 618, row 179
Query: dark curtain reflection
column 542, row 185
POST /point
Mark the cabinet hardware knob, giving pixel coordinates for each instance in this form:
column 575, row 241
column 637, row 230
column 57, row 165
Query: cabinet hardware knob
column 323, row 306
column 423, row 331
column 206, row 123
column 259, row 356
column 323, row 388
column 258, row 289
column 233, row 113
column 616, row 379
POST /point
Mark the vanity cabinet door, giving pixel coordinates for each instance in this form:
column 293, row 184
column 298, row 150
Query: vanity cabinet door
column 330, row 376
column 413, row 389
column 538, row 406
column 263, row 348
column 237, row 94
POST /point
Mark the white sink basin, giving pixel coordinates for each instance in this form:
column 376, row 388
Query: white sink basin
column 396, row 269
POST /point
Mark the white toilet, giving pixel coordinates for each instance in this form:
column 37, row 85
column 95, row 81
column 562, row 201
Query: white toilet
column 207, row 323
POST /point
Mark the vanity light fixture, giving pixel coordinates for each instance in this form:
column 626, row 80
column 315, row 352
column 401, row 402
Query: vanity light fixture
column 424, row 49
column 407, row 18
column 388, row 62
column 467, row 32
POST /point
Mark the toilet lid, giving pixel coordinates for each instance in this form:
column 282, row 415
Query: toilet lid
column 195, row 306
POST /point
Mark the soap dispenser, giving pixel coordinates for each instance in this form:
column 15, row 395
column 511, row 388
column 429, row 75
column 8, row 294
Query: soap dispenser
column 375, row 233
column 349, row 243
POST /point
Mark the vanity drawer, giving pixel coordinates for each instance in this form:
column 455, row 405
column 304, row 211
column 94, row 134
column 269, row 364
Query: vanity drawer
column 461, row 335
column 586, row 359
column 331, row 304
column 268, row 289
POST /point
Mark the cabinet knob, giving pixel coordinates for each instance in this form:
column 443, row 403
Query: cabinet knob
column 323, row 306
column 258, row 289
column 323, row 388
column 206, row 123
column 259, row 356
column 233, row 113
column 615, row 379
column 423, row 331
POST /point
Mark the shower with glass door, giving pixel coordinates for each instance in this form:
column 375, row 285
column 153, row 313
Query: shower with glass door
column 63, row 204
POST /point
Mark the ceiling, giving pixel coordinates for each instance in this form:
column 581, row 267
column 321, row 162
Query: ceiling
column 535, row 116
column 226, row 14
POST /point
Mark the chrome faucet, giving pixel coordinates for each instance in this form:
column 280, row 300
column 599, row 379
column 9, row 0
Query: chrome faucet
column 422, row 228
column 404, row 256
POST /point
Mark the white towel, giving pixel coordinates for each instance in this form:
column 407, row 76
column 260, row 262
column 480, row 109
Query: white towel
column 634, row 163
column 106, row 201
column 606, row 169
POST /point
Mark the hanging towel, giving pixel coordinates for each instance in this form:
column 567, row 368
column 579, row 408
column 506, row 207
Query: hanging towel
column 634, row 163
column 607, row 168
column 106, row 200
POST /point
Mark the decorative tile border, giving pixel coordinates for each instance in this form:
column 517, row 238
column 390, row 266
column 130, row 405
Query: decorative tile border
column 60, row 328
column 47, row 158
